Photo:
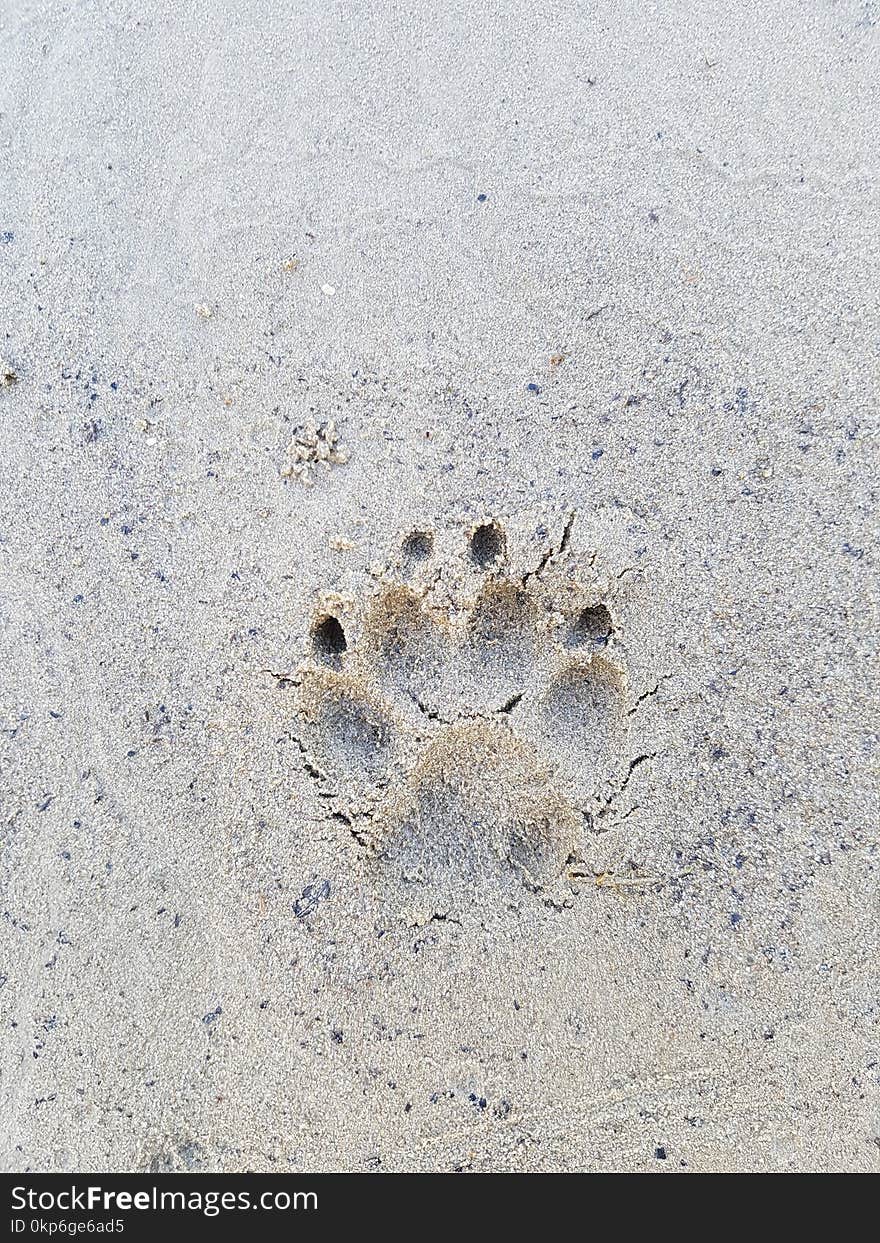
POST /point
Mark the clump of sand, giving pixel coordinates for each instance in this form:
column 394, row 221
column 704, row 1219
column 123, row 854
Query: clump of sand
column 313, row 444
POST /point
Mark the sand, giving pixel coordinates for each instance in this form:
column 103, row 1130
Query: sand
column 438, row 537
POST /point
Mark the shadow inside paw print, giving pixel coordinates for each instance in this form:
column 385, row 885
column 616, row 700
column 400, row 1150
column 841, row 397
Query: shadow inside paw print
column 465, row 734
column 580, row 721
column 353, row 734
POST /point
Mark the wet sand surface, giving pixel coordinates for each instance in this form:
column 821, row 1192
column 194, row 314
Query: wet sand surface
column 438, row 546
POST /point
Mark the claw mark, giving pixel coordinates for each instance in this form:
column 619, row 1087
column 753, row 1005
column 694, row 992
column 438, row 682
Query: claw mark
column 649, row 693
column 284, row 679
column 552, row 552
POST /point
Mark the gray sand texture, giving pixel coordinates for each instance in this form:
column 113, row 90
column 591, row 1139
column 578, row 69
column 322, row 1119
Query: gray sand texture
column 438, row 584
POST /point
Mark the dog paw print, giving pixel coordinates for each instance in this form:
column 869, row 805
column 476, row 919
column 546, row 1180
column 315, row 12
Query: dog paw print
column 468, row 724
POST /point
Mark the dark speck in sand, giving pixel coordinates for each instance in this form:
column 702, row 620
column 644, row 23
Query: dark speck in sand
column 481, row 198
column 311, row 896
column 533, row 388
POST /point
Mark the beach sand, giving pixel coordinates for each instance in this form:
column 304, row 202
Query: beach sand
column 438, row 545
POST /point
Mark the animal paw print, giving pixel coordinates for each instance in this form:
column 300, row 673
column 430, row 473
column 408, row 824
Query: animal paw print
column 467, row 724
